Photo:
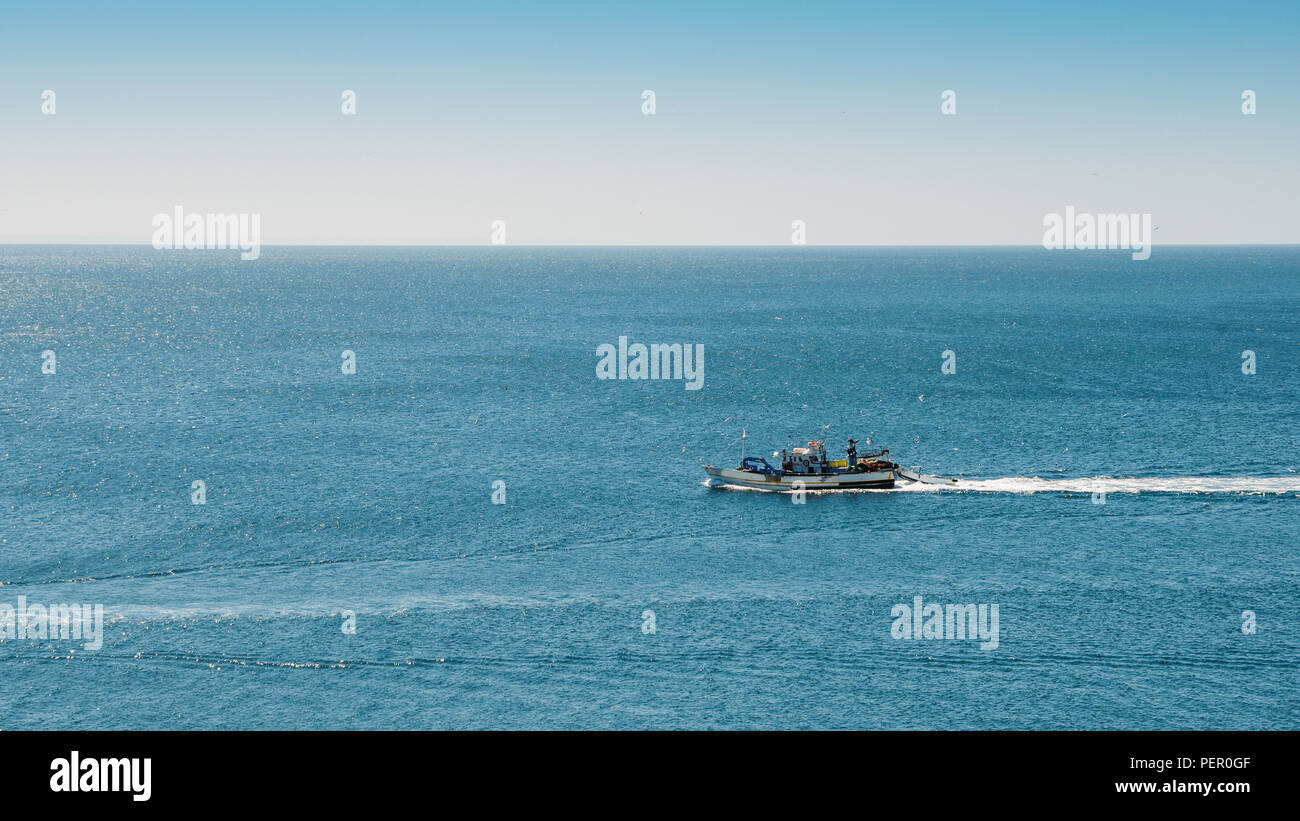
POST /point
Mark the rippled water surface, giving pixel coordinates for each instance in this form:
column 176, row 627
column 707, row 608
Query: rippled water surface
column 1077, row 374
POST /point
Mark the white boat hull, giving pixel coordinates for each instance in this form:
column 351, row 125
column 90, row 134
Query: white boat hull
column 791, row 481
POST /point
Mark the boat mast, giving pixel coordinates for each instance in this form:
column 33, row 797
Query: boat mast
column 742, row 446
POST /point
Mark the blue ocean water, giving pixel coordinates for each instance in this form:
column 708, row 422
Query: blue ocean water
column 372, row 492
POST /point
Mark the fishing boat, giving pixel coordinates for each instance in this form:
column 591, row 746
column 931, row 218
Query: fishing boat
column 803, row 469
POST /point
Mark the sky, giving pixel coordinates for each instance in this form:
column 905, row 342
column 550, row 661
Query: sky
column 765, row 113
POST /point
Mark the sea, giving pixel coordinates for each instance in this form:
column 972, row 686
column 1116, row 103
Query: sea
column 390, row 488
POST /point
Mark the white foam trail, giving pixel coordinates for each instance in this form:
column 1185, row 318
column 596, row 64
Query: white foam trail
column 1111, row 484
column 1092, row 484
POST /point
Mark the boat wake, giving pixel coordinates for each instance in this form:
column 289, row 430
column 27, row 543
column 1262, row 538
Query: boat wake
column 1111, row 484
column 1093, row 484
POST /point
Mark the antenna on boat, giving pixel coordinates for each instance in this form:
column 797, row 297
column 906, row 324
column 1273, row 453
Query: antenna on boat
column 742, row 446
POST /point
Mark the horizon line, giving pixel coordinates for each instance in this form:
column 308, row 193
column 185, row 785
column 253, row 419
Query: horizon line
column 116, row 243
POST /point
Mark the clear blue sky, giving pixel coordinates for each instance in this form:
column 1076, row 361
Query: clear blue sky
column 766, row 113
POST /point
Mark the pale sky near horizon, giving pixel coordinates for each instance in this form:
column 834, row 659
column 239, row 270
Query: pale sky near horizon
column 531, row 113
